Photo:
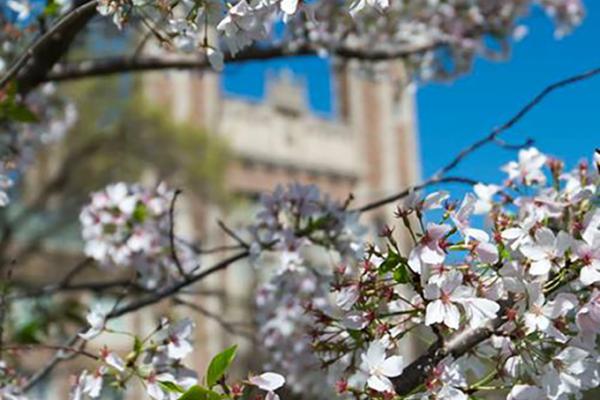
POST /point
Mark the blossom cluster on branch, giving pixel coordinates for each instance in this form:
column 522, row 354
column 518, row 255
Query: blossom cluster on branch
column 298, row 215
column 503, row 284
column 432, row 32
column 464, row 29
column 534, row 267
column 157, row 361
column 129, row 226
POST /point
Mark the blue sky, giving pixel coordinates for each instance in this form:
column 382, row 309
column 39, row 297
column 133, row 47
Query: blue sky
column 452, row 115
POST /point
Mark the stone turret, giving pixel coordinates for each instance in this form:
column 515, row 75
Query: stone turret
column 287, row 93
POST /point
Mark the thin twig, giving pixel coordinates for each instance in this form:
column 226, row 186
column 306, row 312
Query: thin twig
column 79, row 267
column 512, row 146
column 233, row 235
column 228, row 326
column 430, row 182
column 83, row 286
column 44, row 371
column 174, row 255
column 493, row 135
column 176, row 287
column 63, row 349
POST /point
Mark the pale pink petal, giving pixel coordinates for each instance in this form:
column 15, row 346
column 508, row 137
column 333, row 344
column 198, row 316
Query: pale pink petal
column 380, row 383
column 540, row 267
column 268, row 381
column 434, row 313
column 393, row 366
column 589, row 275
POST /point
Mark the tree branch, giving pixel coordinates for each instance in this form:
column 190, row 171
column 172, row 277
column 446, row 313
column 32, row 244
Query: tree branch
column 230, row 327
column 176, row 287
column 430, row 182
column 493, row 135
column 174, row 255
column 123, row 64
column 41, row 55
column 55, row 360
column 229, row 232
column 456, row 346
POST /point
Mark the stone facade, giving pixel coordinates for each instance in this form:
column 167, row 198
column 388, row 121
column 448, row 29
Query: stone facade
column 370, row 150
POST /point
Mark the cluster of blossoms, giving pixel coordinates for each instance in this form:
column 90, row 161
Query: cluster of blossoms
column 293, row 221
column 156, row 360
column 465, row 29
column 129, row 226
column 369, row 25
column 292, row 218
column 533, row 269
column 283, row 325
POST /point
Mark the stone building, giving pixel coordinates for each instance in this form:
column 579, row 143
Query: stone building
column 368, row 149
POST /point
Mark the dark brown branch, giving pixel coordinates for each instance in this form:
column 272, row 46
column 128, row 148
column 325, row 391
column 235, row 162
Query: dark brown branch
column 64, row 349
column 493, row 135
column 406, row 192
column 174, row 255
column 44, row 371
column 176, row 287
column 233, row 235
column 79, row 267
column 230, row 327
column 83, row 286
column 123, row 64
column 456, row 346
column 39, row 58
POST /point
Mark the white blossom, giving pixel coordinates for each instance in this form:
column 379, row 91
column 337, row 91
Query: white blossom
column 528, row 169
column 380, row 368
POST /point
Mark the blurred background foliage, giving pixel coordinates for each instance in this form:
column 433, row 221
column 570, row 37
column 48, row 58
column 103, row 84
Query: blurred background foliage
column 118, row 136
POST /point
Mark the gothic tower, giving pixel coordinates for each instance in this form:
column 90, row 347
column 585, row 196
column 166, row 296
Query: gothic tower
column 369, row 149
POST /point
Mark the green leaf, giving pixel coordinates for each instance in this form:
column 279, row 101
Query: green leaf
column 171, row 387
column 52, row 8
column 390, row 262
column 20, row 113
column 354, row 334
column 29, row 333
column 137, row 345
column 199, row 393
column 12, row 110
column 140, row 213
column 401, row 274
column 219, row 365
